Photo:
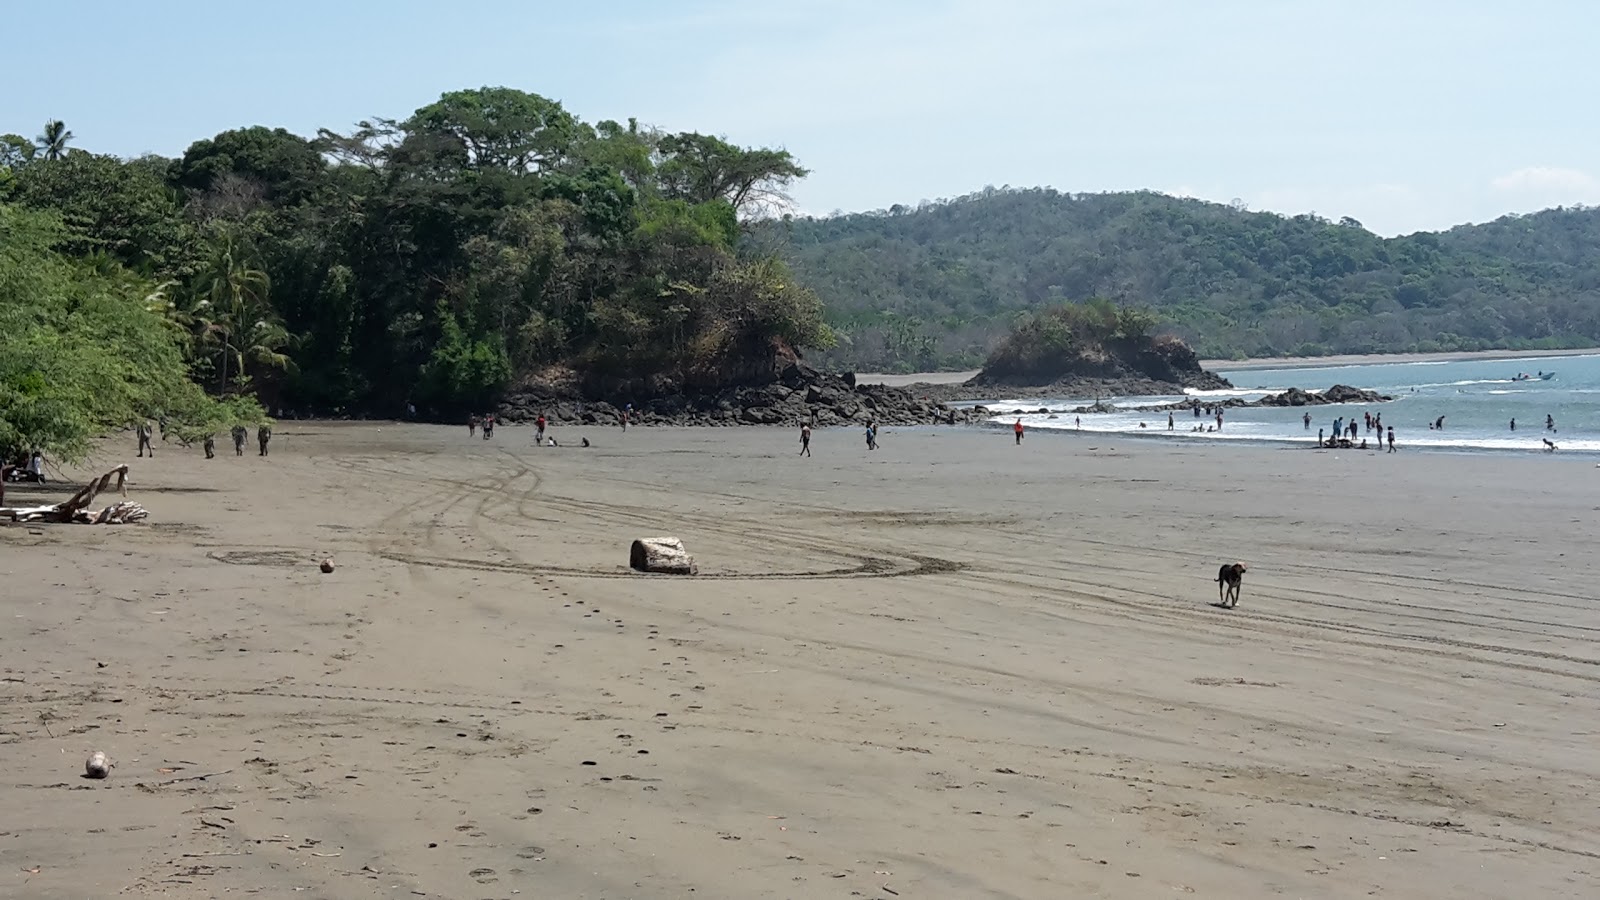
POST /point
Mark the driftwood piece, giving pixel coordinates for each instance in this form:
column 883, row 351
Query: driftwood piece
column 77, row 508
column 661, row 554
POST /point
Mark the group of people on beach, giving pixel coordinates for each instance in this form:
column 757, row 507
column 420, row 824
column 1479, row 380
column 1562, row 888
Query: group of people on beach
column 1347, row 435
column 145, row 433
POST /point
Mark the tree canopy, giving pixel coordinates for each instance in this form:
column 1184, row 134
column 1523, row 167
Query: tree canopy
column 85, row 346
column 936, row 286
column 438, row 257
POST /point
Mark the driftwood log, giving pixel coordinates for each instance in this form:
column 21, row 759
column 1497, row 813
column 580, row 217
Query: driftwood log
column 661, row 554
column 77, row 509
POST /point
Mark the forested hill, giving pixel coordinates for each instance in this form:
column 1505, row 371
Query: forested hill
column 936, row 286
column 431, row 260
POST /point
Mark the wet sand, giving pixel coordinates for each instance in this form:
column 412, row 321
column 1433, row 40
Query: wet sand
column 952, row 668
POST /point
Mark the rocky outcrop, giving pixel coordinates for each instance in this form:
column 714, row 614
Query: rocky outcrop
column 1339, row 393
column 798, row 394
column 1162, row 362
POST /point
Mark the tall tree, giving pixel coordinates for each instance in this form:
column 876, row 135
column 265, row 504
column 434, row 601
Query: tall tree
column 52, row 142
column 701, row 168
column 235, row 317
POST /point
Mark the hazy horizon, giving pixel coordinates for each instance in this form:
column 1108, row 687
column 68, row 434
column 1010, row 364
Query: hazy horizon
column 1406, row 117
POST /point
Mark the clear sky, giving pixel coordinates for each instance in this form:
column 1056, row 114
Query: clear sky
column 1405, row 114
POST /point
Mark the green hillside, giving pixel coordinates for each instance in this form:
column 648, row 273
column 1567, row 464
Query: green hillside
column 938, row 285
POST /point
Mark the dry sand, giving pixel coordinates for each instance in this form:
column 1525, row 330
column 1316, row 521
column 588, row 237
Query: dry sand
column 953, row 668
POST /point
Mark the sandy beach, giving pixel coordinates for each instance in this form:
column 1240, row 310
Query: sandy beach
column 953, row 668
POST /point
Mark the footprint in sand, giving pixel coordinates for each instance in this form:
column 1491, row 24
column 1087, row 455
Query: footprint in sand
column 483, row 876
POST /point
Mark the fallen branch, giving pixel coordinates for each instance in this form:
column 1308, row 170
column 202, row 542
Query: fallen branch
column 177, row 780
column 76, row 509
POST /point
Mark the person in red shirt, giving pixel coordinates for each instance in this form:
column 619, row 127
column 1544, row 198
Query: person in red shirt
column 539, row 423
column 1018, row 428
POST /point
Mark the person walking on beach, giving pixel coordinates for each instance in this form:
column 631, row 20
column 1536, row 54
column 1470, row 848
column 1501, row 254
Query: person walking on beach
column 872, row 435
column 263, row 435
column 1018, row 429
column 211, row 446
column 1320, row 441
column 1391, row 438
column 624, row 417
column 472, row 425
column 143, row 430
column 538, row 424
column 805, row 439
column 238, row 433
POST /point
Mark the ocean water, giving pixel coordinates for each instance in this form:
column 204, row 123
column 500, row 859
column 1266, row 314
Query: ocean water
column 1478, row 399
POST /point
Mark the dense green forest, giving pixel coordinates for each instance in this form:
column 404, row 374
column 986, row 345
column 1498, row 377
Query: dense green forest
column 424, row 260
column 937, row 286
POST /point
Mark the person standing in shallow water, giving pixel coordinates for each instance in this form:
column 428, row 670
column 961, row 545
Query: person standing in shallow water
column 1169, row 421
column 1513, row 424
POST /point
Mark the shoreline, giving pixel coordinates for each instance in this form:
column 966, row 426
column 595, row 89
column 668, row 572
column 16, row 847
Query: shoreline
column 1380, row 359
column 1270, row 362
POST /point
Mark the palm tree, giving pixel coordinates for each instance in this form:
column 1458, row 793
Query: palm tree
column 52, row 143
column 234, row 315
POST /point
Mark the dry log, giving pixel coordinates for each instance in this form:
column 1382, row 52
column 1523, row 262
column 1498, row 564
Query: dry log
column 76, row 509
column 661, row 554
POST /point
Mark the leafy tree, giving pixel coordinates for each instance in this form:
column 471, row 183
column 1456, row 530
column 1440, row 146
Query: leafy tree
column 84, row 348
column 121, row 208
column 285, row 168
column 700, row 168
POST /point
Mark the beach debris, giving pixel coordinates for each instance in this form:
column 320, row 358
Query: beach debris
column 661, row 554
column 76, row 510
column 98, row 765
column 326, row 565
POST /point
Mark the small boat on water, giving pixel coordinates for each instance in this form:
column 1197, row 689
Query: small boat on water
column 1541, row 376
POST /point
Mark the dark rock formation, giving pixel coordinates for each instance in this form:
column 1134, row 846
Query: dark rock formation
column 1163, row 361
column 1339, row 393
column 794, row 395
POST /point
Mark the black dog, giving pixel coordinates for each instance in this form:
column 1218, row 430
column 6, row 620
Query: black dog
column 1229, row 577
